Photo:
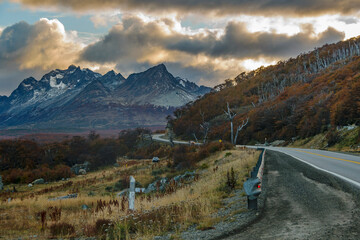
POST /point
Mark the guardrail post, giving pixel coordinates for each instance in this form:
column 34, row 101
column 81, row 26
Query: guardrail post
column 252, row 203
column 252, row 186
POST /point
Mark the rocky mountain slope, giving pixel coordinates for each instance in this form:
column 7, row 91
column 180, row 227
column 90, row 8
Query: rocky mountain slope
column 80, row 98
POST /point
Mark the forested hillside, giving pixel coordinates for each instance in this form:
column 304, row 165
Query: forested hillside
column 300, row 97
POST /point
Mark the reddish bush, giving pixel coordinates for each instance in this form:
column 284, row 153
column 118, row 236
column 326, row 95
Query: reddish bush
column 186, row 156
column 26, row 175
column 103, row 225
column 62, row 229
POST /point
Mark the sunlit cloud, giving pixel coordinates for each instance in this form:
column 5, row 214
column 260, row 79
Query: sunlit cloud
column 105, row 19
column 32, row 49
column 44, row 45
column 204, row 49
column 250, row 64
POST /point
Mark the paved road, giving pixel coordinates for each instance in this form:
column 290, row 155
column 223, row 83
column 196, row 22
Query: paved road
column 341, row 165
column 303, row 202
column 344, row 166
column 160, row 138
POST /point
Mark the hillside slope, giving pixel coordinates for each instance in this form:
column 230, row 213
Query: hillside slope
column 300, row 97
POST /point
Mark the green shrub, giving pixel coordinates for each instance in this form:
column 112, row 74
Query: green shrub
column 204, row 166
column 228, row 154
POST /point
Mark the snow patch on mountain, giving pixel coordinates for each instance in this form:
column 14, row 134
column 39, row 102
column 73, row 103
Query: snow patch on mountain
column 182, row 83
column 54, row 84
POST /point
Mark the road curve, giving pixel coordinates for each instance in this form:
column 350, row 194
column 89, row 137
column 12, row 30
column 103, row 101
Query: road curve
column 344, row 166
column 160, row 138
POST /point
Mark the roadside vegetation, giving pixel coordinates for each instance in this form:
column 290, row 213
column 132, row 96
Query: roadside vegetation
column 345, row 139
column 98, row 211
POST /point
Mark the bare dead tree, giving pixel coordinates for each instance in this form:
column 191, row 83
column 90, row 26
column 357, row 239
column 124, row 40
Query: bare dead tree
column 205, row 126
column 151, row 137
column 206, row 129
column 196, row 139
column 169, row 127
column 171, row 138
column 240, row 127
column 231, row 115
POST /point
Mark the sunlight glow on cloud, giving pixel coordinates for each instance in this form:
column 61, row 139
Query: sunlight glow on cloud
column 250, row 64
column 44, row 45
column 131, row 37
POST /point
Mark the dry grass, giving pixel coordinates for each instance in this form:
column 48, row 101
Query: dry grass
column 155, row 213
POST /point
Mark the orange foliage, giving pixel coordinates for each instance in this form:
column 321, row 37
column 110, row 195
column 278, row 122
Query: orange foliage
column 299, row 97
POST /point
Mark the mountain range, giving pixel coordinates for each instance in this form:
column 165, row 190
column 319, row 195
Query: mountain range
column 78, row 98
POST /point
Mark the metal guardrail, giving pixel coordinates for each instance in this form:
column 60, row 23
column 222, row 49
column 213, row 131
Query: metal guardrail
column 252, row 186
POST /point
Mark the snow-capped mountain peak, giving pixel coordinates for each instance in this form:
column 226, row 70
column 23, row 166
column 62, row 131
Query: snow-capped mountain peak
column 61, row 97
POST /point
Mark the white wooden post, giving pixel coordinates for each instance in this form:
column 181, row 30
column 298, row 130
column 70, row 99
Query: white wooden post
column 132, row 194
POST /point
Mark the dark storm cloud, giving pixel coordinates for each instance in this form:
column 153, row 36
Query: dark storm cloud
column 136, row 39
column 240, row 43
column 223, row 7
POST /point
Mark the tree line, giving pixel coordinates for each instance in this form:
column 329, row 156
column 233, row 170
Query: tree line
column 22, row 161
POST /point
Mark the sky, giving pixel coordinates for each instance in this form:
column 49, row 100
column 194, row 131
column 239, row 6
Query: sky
column 204, row 41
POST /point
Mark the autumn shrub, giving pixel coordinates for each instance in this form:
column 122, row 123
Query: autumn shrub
column 186, row 156
column 213, row 147
column 89, row 230
column 102, row 226
column 62, row 229
column 17, row 175
column 180, row 156
column 231, row 179
column 150, row 151
column 332, row 138
column 202, row 154
column 54, row 213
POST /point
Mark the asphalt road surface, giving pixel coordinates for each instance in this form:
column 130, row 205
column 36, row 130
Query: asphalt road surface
column 303, row 202
column 341, row 165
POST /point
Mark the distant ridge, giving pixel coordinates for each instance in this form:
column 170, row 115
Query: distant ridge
column 80, row 98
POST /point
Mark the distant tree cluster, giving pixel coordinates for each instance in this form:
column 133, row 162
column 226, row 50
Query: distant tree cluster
column 22, row 161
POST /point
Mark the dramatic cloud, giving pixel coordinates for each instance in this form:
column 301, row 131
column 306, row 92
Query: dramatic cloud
column 156, row 41
column 43, row 45
column 240, row 43
column 103, row 20
column 204, row 55
column 223, row 7
column 36, row 48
